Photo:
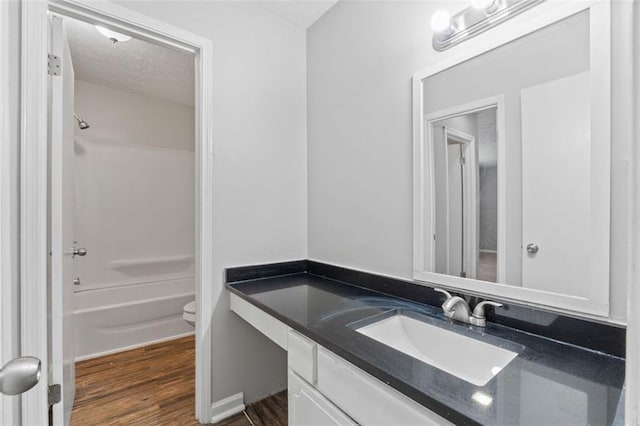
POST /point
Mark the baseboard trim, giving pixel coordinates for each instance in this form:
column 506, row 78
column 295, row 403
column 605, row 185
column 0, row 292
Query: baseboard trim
column 136, row 346
column 227, row 407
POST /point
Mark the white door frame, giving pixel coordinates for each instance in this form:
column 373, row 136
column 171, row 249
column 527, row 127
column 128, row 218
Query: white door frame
column 33, row 211
column 632, row 371
column 8, row 209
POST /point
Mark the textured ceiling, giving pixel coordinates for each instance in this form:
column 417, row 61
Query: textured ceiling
column 135, row 65
column 302, row 13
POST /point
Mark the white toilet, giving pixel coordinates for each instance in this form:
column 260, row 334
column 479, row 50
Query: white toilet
column 189, row 313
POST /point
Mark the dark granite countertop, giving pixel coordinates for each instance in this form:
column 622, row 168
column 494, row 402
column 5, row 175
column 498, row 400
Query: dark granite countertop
column 548, row 383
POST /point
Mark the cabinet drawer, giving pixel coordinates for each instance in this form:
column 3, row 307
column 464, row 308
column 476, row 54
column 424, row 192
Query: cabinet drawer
column 366, row 399
column 302, row 356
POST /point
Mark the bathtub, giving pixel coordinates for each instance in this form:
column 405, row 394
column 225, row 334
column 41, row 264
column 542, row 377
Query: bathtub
column 119, row 318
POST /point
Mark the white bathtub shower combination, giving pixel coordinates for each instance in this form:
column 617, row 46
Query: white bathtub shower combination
column 134, row 212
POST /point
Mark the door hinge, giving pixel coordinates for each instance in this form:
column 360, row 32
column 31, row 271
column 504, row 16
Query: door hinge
column 462, row 161
column 55, row 394
column 53, row 65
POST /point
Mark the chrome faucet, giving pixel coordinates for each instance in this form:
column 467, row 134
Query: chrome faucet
column 455, row 307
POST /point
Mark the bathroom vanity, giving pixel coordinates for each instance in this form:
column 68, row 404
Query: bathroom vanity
column 321, row 383
column 512, row 201
column 332, row 391
column 350, row 359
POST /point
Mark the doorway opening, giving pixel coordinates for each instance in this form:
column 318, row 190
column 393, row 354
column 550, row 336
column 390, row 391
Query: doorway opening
column 466, row 231
column 122, row 220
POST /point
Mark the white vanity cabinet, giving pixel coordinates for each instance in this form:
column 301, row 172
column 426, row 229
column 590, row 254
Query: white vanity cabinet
column 326, row 390
column 323, row 384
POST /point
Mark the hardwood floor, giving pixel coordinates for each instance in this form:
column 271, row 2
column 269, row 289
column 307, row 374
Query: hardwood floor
column 154, row 385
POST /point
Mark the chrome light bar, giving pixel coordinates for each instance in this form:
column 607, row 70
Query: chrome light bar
column 472, row 21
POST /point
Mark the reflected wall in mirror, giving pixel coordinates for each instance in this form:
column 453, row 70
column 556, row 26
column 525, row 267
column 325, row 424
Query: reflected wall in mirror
column 513, row 176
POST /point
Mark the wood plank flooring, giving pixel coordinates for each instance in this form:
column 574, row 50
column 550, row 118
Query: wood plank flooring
column 154, row 385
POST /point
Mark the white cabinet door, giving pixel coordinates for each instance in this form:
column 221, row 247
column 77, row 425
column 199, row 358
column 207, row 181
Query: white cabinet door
column 307, row 407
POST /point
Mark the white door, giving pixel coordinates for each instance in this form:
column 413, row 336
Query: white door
column 61, row 356
column 557, row 187
column 459, row 210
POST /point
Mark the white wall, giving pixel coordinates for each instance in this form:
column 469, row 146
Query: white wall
column 488, row 208
column 488, row 180
column 360, row 59
column 260, row 199
column 361, row 56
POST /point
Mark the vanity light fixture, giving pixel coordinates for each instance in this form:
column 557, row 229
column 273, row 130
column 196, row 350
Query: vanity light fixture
column 475, row 19
column 441, row 22
column 484, row 4
column 114, row 36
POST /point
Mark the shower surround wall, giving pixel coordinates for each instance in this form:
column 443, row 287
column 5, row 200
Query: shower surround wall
column 134, row 188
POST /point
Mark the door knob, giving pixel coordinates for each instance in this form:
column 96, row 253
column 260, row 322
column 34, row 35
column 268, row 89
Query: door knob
column 19, row 375
column 532, row 248
column 76, row 281
column 78, row 251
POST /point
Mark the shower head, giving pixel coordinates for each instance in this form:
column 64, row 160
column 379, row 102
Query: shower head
column 81, row 123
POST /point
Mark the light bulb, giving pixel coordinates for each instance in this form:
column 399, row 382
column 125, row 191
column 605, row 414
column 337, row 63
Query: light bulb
column 482, row 4
column 441, row 22
column 112, row 35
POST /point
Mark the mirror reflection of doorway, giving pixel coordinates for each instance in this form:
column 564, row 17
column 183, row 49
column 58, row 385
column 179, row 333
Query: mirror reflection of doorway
column 465, row 189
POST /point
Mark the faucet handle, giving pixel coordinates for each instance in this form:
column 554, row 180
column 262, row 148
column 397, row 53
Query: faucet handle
column 478, row 311
column 445, row 292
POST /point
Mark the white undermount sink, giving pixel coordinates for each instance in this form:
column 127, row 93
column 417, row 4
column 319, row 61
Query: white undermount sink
column 469, row 359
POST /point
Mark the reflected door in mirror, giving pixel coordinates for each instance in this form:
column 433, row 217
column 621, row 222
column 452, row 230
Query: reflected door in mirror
column 556, row 185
